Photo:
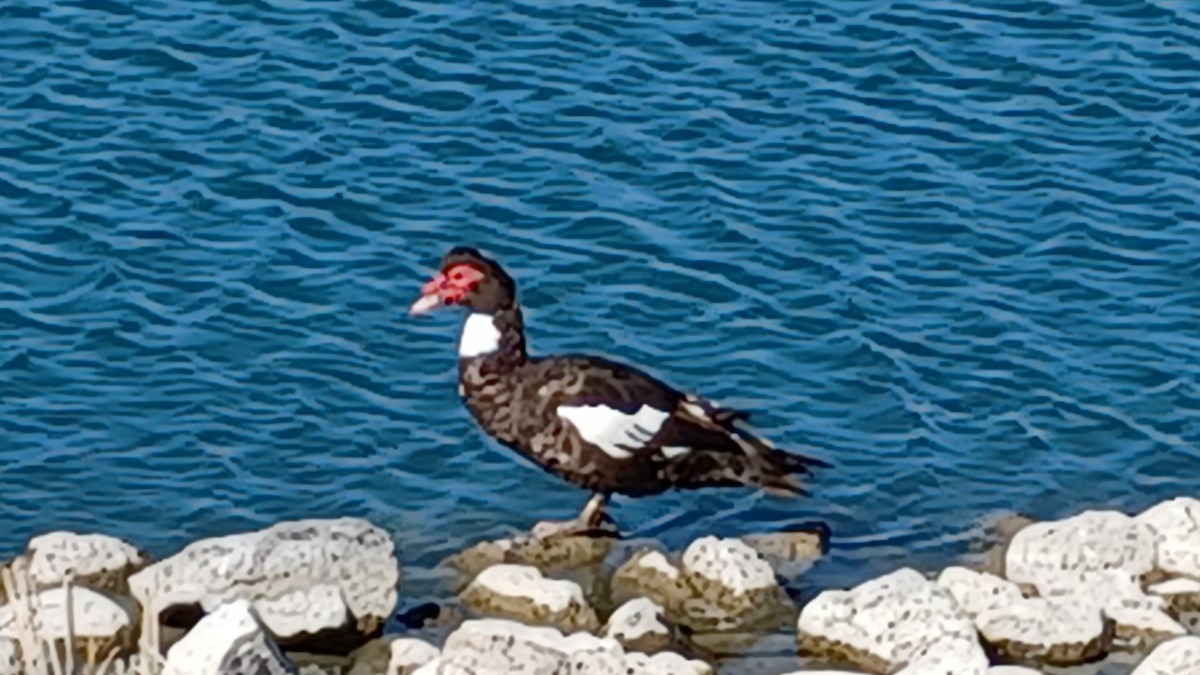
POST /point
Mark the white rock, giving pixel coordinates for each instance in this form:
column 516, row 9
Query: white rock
column 502, row 647
column 1057, row 630
column 667, row 663
column 95, row 614
column 1180, row 656
column 887, row 623
column 1058, row 557
column 521, row 592
column 947, row 657
column 639, row 625
column 94, row 560
column 10, row 658
column 655, row 561
column 1012, row 670
column 409, row 654
column 731, row 586
column 791, row 554
column 1172, row 587
column 1140, row 620
column 649, row 574
column 304, row 610
column 1183, row 597
column 977, row 592
column 289, row 571
column 230, row 641
column 1176, row 525
column 728, row 563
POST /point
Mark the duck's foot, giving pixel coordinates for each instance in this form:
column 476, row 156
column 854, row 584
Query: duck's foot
column 591, row 522
column 575, row 527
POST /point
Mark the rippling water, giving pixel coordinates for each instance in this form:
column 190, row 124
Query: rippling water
column 952, row 246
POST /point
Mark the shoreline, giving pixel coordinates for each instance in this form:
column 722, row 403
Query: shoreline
column 1100, row 590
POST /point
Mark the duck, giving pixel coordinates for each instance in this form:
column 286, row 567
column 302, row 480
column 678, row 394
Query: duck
column 596, row 423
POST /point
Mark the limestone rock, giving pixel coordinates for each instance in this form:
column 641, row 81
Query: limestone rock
column 554, row 554
column 10, row 658
column 947, row 656
column 889, row 622
column 409, row 654
column 790, row 553
column 93, row 560
column 391, row 656
column 667, row 663
column 1057, row 630
column 1176, row 525
column 977, row 592
column 500, row 647
column 302, row 577
column 1180, row 656
column 640, row 625
column 1057, row 558
column 520, row 592
column 1183, row 598
column 1140, row 621
column 95, row 614
column 731, row 587
column 229, row 641
column 651, row 575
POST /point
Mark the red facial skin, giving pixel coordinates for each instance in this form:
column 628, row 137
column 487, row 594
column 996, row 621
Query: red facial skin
column 452, row 284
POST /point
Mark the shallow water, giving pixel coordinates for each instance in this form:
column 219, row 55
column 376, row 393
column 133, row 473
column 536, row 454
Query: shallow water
column 951, row 246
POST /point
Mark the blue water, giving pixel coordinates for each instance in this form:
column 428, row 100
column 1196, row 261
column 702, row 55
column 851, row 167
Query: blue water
column 952, row 246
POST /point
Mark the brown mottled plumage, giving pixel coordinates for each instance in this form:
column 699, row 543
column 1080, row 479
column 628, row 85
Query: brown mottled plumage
column 598, row 424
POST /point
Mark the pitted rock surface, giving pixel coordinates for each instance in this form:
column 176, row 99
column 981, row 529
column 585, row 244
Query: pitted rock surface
column 230, row 641
column 731, row 586
column 886, row 623
column 1140, row 621
column 1183, row 598
column 554, row 554
column 502, row 647
column 947, row 657
column 977, row 592
column 790, row 554
column 520, row 592
column 666, row 663
column 1180, row 656
column 1176, row 525
column 10, row 658
column 299, row 576
column 409, row 654
column 391, row 655
column 640, row 625
column 93, row 560
column 1058, row 558
column 651, row 575
column 96, row 614
column 1059, row 630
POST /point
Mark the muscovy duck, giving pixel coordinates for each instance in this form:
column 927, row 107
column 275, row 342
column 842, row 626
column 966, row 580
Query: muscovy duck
column 601, row 425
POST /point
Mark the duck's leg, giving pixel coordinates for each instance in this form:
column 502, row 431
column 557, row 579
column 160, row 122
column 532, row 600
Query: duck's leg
column 590, row 521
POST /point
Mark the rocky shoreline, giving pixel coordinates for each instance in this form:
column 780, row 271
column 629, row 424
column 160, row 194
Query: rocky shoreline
column 1118, row 592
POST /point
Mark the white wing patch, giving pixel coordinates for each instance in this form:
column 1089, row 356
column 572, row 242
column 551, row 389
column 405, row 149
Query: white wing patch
column 615, row 432
column 673, row 451
column 479, row 336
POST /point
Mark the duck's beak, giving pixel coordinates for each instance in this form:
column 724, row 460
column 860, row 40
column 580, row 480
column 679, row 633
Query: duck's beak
column 431, row 297
column 425, row 304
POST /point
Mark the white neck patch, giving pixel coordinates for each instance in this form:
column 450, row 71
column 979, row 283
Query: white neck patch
column 480, row 336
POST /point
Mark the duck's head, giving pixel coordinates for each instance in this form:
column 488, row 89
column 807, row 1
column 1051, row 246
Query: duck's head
column 467, row 278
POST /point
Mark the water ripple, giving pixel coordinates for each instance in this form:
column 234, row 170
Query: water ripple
column 951, row 247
